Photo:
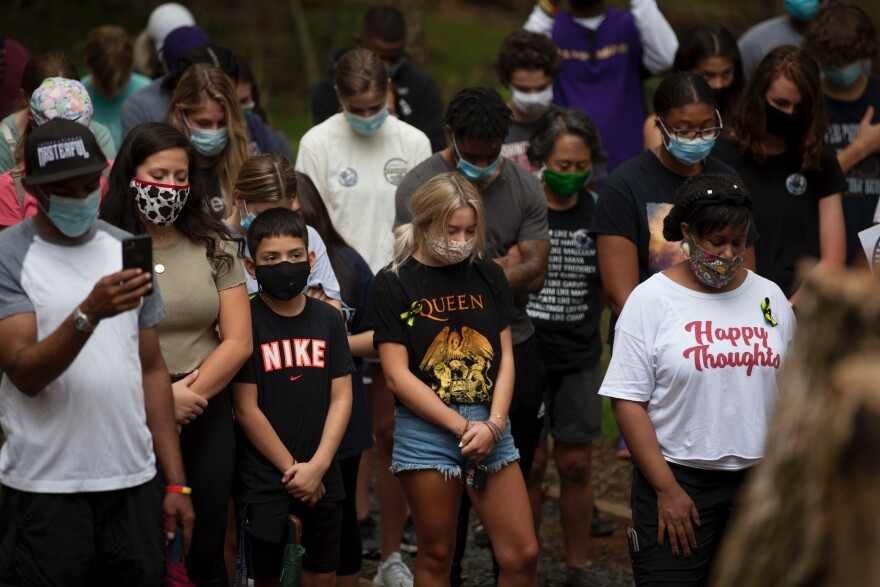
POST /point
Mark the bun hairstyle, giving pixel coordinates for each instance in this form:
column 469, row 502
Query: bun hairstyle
column 706, row 203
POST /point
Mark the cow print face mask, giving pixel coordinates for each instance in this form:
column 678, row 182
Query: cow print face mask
column 161, row 204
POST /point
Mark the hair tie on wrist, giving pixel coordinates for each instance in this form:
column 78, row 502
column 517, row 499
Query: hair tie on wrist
column 179, row 489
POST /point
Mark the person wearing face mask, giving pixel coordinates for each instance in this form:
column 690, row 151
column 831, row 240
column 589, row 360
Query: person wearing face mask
column 607, row 53
column 709, row 51
column 566, row 317
column 206, row 336
column 526, row 64
column 693, row 382
column 785, row 29
column 291, row 409
column 477, row 121
column 413, row 97
column 87, row 405
column 205, row 108
column 841, row 38
column 442, row 319
column 778, row 147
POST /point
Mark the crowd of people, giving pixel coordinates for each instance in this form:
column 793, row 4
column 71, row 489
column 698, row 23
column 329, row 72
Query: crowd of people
column 421, row 277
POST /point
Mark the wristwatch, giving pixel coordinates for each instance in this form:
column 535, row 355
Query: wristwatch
column 81, row 322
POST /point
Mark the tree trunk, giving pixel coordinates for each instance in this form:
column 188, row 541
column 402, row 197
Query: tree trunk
column 306, row 45
column 417, row 39
column 808, row 516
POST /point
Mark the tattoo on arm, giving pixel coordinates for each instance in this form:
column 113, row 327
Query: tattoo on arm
column 527, row 276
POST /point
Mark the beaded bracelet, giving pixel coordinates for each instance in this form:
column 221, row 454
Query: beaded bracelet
column 467, row 427
column 492, row 430
column 179, row 489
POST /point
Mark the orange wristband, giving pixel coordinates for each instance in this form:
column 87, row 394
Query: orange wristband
column 179, row 489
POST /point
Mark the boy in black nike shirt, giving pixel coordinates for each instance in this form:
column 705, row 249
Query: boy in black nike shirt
column 292, row 401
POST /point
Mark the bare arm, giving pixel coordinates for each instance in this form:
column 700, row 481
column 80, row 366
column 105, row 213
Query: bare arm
column 866, row 143
column 526, row 274
column 159, row 406
column 619, row 268
column 235, row 347
column 257, row 427
column 31, row 364
column 832, row 236
column 413, row 392
column 361, row 344
column 675, row 508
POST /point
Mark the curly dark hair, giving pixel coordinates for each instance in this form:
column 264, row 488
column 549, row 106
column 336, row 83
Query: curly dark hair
column 840, row 35
column 708, row 202
column 195, row 221
column 558, row 122
column 526, row 50
column 478, row 113
column 750, row 121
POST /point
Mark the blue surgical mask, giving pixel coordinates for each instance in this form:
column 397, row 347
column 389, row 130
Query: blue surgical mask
column 473, row 172
column 208, row 142
column 248, row 219
column 367, row 125
column 802, row 10
column 689, row 151
column 843, row 76
column 73, row 216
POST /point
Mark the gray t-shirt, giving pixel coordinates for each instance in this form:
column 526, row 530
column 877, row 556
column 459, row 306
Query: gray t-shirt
column 86, row 431
column 514, row 209
column 758, row 41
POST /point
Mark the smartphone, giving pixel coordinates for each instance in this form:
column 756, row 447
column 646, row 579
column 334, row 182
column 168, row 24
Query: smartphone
column 137, row 252
column 481, row 476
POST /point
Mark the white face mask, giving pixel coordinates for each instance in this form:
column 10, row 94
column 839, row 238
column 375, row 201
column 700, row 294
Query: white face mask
column 449, row 251
column 531, row 104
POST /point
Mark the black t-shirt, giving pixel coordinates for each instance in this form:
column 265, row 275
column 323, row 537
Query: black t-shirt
column 566, row 311
column 633, row 203
column 356, row 309
column 863, row 191
column 293, row 364
column 450, row 321
column 419, row 102
column 786, row 207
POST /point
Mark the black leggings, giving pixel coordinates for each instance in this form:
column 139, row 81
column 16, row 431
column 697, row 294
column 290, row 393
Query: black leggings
column 350, row 555
column 208, row 448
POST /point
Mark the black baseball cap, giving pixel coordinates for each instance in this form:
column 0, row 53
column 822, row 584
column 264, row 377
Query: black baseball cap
column 61, row 149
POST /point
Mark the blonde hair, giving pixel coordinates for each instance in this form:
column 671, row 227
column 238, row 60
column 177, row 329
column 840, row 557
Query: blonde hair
column 432, row 207
column 199, row 83
column 266, row 178
column 109, row 55
column 359, row 71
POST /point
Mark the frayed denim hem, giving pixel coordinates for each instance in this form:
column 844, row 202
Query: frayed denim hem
column 500, row 465
column 448, row 471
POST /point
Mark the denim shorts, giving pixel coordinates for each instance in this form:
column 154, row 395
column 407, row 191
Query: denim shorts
column 421, row 445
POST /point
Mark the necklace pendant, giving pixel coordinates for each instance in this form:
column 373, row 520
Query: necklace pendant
column 159, row 267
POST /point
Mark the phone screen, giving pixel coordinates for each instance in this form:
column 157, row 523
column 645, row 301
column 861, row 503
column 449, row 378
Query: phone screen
column 137, row 251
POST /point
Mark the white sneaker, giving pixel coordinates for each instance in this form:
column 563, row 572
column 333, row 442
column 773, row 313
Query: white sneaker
column 393, row 573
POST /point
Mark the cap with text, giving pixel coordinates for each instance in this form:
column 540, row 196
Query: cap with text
column 61, row 149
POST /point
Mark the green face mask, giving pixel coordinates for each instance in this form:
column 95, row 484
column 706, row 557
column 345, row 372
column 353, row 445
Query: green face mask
column 565, row 184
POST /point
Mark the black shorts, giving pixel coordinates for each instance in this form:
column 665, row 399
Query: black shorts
column 100, row 538
column 266, row 527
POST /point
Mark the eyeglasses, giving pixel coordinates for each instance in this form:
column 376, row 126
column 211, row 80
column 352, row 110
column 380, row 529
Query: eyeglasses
column 690, row 134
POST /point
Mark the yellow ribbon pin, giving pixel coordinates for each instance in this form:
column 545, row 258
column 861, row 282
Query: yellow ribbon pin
column 768, row 314
column 410, row 316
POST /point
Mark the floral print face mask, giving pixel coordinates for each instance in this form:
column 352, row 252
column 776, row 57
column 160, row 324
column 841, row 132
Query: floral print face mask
column 713, row 270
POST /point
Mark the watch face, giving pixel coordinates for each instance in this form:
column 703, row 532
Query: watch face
column 81, row 322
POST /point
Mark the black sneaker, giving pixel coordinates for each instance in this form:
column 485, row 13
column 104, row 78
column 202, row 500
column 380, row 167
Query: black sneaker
column 600, row 525
column 369, row 542
column 408, row 541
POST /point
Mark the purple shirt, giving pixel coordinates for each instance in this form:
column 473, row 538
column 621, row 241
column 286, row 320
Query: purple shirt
column 602, row 75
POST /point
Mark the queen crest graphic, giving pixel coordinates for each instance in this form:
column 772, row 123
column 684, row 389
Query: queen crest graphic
column 459, row 365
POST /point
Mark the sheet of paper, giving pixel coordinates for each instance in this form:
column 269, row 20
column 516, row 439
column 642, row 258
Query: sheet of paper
column 870, row 238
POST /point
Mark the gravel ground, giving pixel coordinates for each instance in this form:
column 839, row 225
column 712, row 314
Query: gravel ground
column 609, row 557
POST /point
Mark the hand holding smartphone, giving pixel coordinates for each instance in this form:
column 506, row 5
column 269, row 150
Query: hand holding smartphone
column 137, row 252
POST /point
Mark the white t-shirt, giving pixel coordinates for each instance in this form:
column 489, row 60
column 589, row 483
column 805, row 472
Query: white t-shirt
column 708, row 366
column 357, row 176
column 86, row 430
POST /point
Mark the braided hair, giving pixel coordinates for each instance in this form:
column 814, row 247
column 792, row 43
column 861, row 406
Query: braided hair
column 478, row 114
column 707, row 203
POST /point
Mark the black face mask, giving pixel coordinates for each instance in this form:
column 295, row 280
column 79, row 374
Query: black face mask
column 722, row 95
column 584, row 3
column 782, row 124
column 284, row 280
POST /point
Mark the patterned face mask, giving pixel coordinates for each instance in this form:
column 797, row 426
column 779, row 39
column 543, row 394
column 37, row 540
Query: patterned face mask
column 450, row 251
column 161, row 204
column 714, row 270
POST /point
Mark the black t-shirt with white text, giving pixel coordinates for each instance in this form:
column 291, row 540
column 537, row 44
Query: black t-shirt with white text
column 863, row 189
column 294, row 362
column 566, row 311
column 450, row 320
column 786, row 209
